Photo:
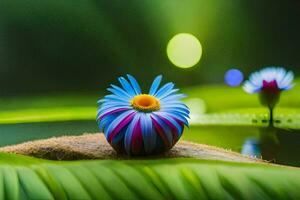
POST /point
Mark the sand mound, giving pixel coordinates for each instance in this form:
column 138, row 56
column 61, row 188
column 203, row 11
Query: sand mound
column 94, row 146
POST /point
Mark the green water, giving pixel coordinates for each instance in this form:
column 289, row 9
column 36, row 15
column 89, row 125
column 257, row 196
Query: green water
column 17, row 133
column 289, row 147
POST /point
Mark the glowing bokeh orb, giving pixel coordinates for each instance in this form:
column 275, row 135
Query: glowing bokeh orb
column 234, row 77
column 184, row 50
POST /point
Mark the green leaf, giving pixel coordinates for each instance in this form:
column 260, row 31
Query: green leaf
column 90, row 182
column 51, row 182
column 10, row 182
column 70, row 183
column 183, row 178
column 32, row 185
column 114, row 185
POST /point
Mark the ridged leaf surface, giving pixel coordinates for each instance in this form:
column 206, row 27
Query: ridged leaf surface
column 145, row 179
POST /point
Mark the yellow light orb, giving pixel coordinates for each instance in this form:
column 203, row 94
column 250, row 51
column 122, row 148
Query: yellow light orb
column 184, row 50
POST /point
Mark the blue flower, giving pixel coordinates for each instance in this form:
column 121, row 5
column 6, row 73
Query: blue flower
column 269, row 83
column 139, row 123
column 270, row 79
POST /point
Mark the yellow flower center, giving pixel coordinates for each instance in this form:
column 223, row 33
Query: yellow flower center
column 145, row 103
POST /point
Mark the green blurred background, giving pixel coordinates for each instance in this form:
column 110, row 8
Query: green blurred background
column 83, row 45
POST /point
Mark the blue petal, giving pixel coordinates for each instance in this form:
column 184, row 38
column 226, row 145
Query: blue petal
column 118, row 91
column 176, row 115
column 256, row 79
column 105, row 121
column 134, row 84
column 288, row 87
column 175, row 103
column 113, row 97
column 176, row 106
column 174, row 97
column 165, row 127
column 286, row 82
column 105, row 107
column 117, row 120
column 251, row 88
column 172, row 121
column 115, row 103
column 149, row 136
column 155, row 85
column 164, row 89
column 127, row 86
column 100, row 101
column 102, row 112
column 119, row 136
column 176, row 111
column 129, row 132
column 167, row 94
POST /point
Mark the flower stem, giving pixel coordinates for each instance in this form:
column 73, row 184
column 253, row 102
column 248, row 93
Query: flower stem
column 271, row 116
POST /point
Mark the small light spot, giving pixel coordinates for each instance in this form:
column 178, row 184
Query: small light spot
column 234, row 77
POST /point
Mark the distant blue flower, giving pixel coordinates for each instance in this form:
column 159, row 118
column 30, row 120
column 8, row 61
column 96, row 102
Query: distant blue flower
column 270, row 79
column 269, row 83
column 142, row 123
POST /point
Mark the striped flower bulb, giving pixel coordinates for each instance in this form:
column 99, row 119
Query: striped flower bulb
column 139, row 123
